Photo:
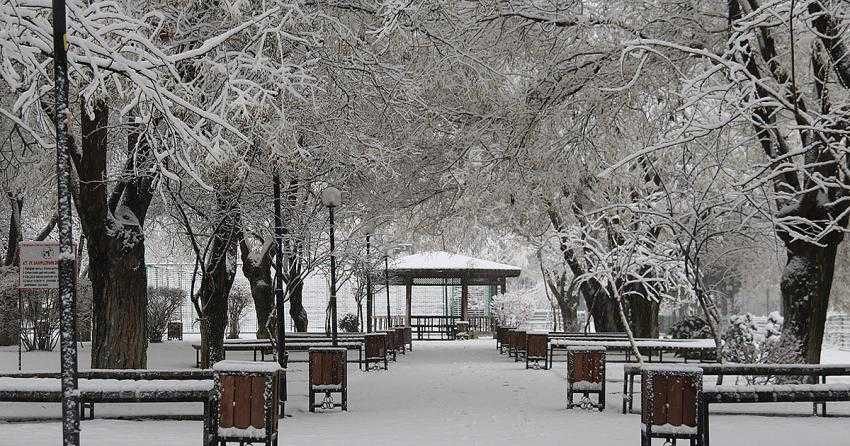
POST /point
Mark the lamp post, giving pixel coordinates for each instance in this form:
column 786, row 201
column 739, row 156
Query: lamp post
column 278, row 287
column 368, row 284
column 67, row 279
column 370, row 298
column 331, row 197
column 387, row 285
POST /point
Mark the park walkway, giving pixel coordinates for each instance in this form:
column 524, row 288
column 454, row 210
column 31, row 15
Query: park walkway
column 443, row 393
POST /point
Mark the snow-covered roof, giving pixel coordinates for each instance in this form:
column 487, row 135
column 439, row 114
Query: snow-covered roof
column 443, row 261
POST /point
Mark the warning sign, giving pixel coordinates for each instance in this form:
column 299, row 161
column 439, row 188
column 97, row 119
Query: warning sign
column 39, row 265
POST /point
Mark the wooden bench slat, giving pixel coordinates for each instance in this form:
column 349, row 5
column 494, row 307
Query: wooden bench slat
column 242, row 396
column 228, row 385
column 258, row 402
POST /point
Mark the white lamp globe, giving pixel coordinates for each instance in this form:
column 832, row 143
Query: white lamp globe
column 331, row 197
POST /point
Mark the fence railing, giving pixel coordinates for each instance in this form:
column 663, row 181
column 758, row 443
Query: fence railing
column 837, row 331
column 434, row 327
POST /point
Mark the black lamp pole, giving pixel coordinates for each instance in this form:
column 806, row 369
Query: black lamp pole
column 278, row 285
column 387, row 286
column 333, row 279
column 67, row 288
column 368, row 286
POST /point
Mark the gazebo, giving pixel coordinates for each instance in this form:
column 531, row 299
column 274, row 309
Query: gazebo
column 440, row 268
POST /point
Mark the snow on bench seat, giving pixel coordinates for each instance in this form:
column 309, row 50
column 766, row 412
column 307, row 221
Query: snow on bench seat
column 774, row 392
column 586, row 386
column 247, row 367
column 669, row 429
column 106, row 385
column 242, row 432
column 661, row 343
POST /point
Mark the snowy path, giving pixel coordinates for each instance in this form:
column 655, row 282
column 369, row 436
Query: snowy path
column 444, row 393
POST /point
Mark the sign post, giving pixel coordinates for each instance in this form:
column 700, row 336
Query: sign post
column 38, row 269
column 39, row 266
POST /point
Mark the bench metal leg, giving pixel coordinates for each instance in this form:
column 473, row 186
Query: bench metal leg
column 625, row 392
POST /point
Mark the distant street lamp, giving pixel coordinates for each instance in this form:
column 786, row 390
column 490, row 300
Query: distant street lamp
column 387, row 284
column 370, row 228
column 280, row 333
column 332, row 197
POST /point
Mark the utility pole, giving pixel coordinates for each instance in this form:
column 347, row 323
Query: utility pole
column 67, row 279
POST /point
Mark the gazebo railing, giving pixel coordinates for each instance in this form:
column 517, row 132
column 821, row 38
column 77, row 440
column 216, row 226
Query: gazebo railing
column 425, row 327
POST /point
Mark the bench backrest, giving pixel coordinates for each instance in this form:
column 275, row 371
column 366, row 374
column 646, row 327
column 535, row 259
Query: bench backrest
column 376, row 345
column 537, row 344
column 328, row 367
column 586, row 365
column 670, row 397
column 248, row 400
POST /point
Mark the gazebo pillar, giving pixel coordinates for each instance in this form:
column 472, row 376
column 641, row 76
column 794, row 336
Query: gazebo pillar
column 408, row 301
column 464, row 299
column 503, row 285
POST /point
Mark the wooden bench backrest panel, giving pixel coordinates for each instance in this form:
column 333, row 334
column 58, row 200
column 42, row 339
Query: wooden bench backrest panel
column 327, row 368
column 519, row 340
column 243, row 401
column 586, row 366
column 375, row 346
column 538, row 345
column 670, row 399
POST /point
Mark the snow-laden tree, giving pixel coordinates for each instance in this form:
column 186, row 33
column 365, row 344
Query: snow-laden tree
column 177, row 83
column 780, row 79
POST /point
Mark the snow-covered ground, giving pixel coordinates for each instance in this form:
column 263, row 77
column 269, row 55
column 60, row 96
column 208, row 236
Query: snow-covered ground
column 443, row 393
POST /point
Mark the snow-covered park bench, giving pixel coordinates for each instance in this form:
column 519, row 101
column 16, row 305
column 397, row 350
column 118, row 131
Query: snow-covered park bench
column 781, row 393
column 815, row 371
column 262, row 348
column 434, row 327
column 376, row 350
column 116, row 386
column 702, row 349
column 586, row 375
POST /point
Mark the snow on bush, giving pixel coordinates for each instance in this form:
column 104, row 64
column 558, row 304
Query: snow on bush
column 512, row 309
column 743, row 344
column 238, row 302
column 349, row 323
column 691, row 327
column 163, row 302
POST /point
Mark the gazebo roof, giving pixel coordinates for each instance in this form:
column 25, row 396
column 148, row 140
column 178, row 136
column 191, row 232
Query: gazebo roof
column 439, row 268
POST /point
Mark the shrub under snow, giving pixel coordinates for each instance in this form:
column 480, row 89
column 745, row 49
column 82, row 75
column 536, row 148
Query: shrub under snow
column 743, row 344
column 512, row 309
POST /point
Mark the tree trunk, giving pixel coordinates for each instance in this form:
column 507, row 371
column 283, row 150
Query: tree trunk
column 257, row 268
column 806, row 284
column 16, row 203
column 119, row 309
column 114, row 232
column 218, row 279
column 603, row 309
column 567, row 301
column 296, row 306
column 643, row 314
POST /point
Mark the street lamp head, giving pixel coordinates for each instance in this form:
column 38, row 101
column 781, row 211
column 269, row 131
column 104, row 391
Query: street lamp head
column 370, row 227
column 331, row 197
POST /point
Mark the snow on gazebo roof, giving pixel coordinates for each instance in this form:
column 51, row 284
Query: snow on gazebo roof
column 445, row 265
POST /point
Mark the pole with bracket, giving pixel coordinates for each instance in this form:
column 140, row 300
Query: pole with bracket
column 67, row 288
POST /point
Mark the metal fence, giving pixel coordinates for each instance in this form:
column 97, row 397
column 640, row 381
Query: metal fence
column 837, row 330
